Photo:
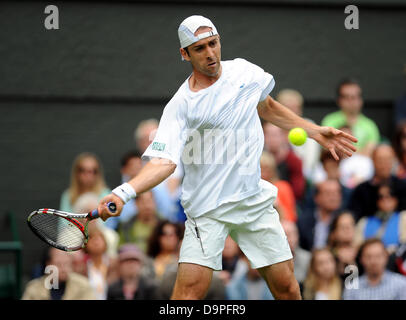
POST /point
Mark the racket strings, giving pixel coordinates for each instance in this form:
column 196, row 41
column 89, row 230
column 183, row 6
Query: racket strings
column 58, row 230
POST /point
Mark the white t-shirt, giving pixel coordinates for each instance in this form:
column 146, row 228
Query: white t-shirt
column 216, row 135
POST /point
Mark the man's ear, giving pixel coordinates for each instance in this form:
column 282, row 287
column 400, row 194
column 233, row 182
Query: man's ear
column 184, row 54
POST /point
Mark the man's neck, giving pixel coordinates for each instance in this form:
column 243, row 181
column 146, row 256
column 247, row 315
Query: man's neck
column 324, row 215
column 199, row 81
column 375, row 279
column 351, row 118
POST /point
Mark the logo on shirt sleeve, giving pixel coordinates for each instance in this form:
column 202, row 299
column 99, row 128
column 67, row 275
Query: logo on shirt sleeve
column 159, row 146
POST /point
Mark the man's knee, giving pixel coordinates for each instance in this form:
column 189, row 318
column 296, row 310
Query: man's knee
column 192, row 282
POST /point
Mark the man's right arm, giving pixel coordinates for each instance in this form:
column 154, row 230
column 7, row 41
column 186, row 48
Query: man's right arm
column 152, row 174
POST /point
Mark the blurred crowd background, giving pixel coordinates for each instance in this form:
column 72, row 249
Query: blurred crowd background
column 81, row 104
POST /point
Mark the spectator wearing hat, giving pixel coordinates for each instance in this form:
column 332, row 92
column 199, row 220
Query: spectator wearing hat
column 132, row 285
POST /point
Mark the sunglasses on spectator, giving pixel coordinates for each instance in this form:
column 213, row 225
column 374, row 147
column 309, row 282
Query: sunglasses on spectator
column 385, row 196
column 86, row 170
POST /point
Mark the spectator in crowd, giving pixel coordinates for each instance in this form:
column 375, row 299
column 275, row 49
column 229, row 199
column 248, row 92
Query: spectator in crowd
column 301, row 257
column 356, row 169
column 397, row 260
column 328, row 168
column 285, row 199
column 163, row 245
column 314, row 225
column 167, row 193
column 341, row 241
column 322, row 281
column 101, row 269
column 230, row 256
column 377, row 283
column 67, row 286
column 289, row 165
column 131, row 285
column 399, row 145
column 247, row 284
column 86, row 176
column 139, row 229
column 309, row 152
column 364, row 197
column 350, row 102
column 131, row 164
column 387, row 224
column 86, row 203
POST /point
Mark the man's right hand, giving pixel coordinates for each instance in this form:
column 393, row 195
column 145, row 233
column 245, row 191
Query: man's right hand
column 104, row 212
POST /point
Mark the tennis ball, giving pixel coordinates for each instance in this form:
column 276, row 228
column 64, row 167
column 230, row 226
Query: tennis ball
column 297, row 136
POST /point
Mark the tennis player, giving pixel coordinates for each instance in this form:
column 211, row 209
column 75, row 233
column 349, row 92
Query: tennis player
column 211, row 127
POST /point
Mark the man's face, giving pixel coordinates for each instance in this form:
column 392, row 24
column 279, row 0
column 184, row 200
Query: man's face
column 374, row 259
column 383, row 159
column 63, row 261
column 329, row 196
column 274, row 137
column 132, row 167
column 350, row 99
column 205, row 54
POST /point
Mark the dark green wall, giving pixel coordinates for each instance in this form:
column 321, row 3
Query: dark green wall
column 86, row 86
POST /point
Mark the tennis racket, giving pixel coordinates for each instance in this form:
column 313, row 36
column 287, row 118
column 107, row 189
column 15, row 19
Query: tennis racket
column 61, row 229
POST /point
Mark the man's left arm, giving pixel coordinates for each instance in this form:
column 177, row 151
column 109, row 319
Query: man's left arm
column 334, row 140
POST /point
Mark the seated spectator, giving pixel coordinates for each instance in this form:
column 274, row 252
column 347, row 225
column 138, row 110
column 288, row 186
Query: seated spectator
column 397, row 260
column 164, row 245
column 285, row 198
column 86, row 176
column 69, row 285
column 289, row 165
column 364, row 197
column 131, row 164
column 350, row 102
column 247, row 284
column 88, row 202
column 388, row 224
column 356, row 169
column 328, row 168
column 101, row 269
column 309, row 152
column 301, row 257
column 139, row 228
column 132, row 285
column 322, row 281
column 230, row 256
column 314, row 224
column 377, row 283
column 341, row 241
column 399, row 145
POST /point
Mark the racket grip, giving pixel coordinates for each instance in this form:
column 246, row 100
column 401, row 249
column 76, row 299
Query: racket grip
column 111, row 206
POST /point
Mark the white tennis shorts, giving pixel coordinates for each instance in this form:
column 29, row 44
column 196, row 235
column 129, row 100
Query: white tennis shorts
column 252, row 222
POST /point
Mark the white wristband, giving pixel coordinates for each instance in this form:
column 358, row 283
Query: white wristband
column 125, row 192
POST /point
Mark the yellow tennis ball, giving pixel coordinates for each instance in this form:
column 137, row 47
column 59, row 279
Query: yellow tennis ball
column 297, row 136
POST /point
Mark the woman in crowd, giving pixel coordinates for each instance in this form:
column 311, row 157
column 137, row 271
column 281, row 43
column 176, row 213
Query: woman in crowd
column 322, row 281
column 341, row 241
column 86, row 176
column 164, row 245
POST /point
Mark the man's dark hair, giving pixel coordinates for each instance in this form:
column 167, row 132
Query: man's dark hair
column 128, row 156
column 346, row 82
column 187, row 51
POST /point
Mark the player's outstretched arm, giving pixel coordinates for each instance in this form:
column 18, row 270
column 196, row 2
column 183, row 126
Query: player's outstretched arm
column 334, row 140
column 152, row 174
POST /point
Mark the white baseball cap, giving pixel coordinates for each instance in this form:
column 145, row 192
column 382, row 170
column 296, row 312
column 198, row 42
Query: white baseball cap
column 188, row 27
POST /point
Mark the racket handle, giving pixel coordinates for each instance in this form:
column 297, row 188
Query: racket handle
column 95, row 213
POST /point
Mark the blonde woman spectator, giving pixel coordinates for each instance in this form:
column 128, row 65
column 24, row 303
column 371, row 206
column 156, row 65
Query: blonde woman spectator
column 86, row 176
column 322, row 281
column 101, row 269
